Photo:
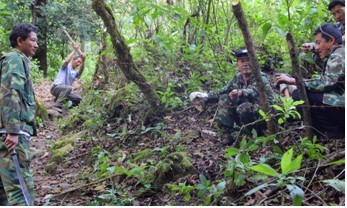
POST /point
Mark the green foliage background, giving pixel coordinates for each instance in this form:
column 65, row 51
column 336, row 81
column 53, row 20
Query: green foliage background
column 155, row 31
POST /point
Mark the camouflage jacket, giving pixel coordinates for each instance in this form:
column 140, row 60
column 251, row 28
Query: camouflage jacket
column 17, row 99
column 341, row 27
column 332, row 80
column 249, row 91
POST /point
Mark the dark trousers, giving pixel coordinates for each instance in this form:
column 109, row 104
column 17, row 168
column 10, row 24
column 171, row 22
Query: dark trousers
column 329, row 120
column 62, row 93
column 10, row 190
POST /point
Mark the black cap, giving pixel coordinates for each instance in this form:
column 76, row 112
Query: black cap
column 241, row 53
column 333, row 3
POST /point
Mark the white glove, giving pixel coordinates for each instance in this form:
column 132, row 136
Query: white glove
column 195, row 95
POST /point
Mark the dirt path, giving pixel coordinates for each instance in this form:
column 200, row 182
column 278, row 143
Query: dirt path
column 47, row 184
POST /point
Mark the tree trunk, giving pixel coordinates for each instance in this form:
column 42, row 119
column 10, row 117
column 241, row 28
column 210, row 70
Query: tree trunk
column 241, row 19
column 101, row 75
column 300, row 83
column 37, row 19
column 125, row 60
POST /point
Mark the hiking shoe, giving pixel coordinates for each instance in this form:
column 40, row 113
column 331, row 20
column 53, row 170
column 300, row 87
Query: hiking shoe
column 227, row 139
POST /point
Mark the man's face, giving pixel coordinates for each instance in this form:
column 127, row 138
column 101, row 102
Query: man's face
column 243, row 65
column 338, row 13
column 76, row 62
column 29, row 45
column 323, row 47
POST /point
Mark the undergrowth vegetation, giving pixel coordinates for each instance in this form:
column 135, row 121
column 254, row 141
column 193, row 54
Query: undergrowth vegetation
column 161, row 160
column 181, row 47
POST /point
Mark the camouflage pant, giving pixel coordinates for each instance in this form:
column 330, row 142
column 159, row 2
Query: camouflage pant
column 62, row 93
column 10, row 190
column 231, row 116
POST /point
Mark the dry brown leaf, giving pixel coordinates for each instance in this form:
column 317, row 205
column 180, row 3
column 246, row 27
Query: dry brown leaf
column 210, row 133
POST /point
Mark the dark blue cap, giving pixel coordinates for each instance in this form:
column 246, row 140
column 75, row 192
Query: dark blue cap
column 241, row 53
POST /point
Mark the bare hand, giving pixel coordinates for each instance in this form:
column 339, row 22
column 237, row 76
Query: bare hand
column 234, row 94
column 307, row 47
column 282, row 78
column 11, row 141
column 76, row 47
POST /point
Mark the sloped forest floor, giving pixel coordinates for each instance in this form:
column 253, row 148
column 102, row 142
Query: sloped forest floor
column 76, row 179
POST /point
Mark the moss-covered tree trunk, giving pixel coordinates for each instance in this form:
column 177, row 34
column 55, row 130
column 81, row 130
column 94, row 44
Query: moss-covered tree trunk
column 300, row 83
column 125, row 59
column 101, row 75
column 241, row 19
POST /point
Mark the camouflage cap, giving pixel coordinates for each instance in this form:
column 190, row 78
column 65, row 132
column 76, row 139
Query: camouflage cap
column 333, row 3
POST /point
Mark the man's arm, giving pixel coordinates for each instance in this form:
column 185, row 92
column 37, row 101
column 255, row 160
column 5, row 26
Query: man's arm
column 70, row 56
column 225, row 90
column 12, row 83
column 334, row 72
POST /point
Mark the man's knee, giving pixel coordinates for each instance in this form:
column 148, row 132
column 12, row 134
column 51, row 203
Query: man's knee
column 224, row 115
column 295, row 95
column 247, row 112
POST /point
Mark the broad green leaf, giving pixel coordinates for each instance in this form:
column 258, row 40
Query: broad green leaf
column 283, row 20
column 277, row 149
column 253, row 190
column 265, row 169
column 298, row 102
column 266, row 27
column 280, row 121
column 221, row 186
column 295, row 164
column 120, row 170
column 208, row 199
column 286, row 160
column 187, row 197
column 204, row 180
column 336, row 184
column 279, row 108
column 201, row 192
column 296, row 193
column 337, row 162
column 244, row 158
column 243, row 142
column 231, row 152
column 111, row 169
column 262, row 113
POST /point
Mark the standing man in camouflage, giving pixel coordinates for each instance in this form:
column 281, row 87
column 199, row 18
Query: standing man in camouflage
column 326, row 92
column 17, row 113
column 238, row 101
column 61, row 88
